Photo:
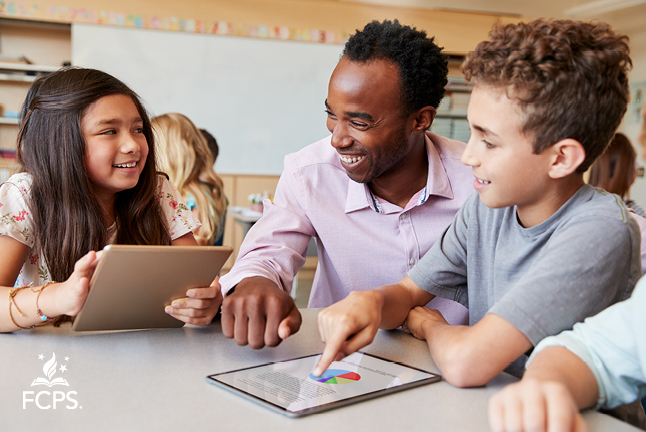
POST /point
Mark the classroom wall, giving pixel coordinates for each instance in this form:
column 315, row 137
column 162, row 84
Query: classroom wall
column 458, row 32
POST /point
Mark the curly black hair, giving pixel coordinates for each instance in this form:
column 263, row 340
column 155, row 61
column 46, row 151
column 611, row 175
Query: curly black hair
column 422, row 66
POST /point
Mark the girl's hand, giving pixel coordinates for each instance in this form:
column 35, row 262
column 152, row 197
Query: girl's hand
column 69, row 296
column 200, row 305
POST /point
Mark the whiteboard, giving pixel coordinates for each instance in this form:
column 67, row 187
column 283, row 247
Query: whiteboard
column 261, row 99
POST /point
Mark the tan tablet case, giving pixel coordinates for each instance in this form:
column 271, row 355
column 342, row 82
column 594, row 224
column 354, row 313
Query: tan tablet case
column 132, row 284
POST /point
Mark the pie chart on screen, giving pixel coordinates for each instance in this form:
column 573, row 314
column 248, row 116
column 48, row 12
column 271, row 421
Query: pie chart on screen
column 337, row 376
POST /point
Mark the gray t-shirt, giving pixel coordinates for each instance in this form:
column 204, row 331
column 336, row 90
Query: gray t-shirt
column 542, row 279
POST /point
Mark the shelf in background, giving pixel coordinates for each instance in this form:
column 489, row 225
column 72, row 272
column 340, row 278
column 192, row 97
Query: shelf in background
column 17, row 77
column 20, row 67
column 8, row 120
column 457, row 114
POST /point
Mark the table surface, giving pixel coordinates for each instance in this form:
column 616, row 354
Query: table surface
column 155, row 380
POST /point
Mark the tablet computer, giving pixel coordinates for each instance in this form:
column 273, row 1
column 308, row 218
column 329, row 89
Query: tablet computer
column 132, row 284
column 290, row 388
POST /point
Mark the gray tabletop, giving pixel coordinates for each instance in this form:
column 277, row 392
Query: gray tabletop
column 155, row 380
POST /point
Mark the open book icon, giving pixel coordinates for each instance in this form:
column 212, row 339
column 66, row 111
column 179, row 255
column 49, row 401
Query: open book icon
column 49, row 369
column 45, row 381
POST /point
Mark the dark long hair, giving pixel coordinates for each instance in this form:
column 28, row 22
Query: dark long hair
column 614, row 171
column 68, row 219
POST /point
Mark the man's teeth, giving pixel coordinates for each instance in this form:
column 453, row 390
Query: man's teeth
column 352, row 159
column 128, row 165
column 483, row 181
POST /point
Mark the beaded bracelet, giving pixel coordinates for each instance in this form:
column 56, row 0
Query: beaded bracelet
column 39, row 312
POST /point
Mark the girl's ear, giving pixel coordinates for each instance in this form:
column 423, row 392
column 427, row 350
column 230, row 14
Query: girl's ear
column 423, row 119
column 567, row 156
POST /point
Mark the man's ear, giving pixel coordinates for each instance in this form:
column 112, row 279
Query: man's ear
column 423, row 119
column 567, row 156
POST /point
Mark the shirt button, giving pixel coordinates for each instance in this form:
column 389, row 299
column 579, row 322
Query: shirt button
column 403, row 216
column 411, row 262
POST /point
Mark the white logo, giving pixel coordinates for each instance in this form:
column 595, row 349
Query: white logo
column 46, row 399
column 49, row 369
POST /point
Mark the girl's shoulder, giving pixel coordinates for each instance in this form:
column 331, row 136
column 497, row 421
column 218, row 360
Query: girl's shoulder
column 15, row 215
column 164, row 186
column 18, row 186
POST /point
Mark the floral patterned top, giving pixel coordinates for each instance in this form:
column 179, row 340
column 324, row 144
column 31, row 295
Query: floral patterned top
column 16, row 221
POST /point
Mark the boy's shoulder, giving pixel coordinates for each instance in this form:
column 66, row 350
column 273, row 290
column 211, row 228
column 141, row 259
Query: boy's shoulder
column 588, row 203
column 595, row 204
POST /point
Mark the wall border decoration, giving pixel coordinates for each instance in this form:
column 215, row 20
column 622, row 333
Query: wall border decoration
column 32, row 11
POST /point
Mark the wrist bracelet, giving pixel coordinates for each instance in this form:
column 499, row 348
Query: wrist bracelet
column 12, row 300
column 39, row 312
column 12, row 294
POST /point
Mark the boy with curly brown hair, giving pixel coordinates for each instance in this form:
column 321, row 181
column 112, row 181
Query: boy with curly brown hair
column 535, row 250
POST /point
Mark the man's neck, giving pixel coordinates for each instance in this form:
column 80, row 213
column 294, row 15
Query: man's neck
column 400, row 184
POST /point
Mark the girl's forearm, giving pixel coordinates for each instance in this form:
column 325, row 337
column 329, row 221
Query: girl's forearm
column 23, row 308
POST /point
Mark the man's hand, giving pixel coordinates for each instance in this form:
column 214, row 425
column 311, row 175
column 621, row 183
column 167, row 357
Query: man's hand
column 535, row 405
column 259, row 313
column 348, row 326
column 421, row 320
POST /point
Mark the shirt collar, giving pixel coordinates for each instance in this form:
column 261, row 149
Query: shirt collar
column 359, row 195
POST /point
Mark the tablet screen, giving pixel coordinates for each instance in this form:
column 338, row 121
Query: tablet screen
column 291, row 387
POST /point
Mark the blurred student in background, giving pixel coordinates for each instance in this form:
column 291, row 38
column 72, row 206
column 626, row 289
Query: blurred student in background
column 212, row 143
column 187, row 159
column 615, row 171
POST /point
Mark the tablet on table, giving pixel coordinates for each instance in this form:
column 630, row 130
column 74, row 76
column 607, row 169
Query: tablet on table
column 290, row 388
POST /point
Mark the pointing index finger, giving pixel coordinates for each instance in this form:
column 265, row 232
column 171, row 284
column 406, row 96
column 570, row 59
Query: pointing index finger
column 330, row 353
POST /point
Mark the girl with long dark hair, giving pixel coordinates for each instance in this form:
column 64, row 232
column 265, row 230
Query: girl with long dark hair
column 88, row 179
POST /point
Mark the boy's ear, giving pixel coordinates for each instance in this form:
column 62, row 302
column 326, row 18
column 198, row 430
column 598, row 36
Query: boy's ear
column 423, row 119
column 567, row 155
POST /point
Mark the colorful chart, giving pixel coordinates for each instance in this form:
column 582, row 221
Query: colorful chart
column 336, row 376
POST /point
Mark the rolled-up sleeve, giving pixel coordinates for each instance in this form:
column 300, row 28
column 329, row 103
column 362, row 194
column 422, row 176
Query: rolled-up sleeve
column 276, row 245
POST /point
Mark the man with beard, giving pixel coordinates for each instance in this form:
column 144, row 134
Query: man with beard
column 375, row 195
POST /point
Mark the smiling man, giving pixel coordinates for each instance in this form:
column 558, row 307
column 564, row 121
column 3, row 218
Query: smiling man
column 375, row 195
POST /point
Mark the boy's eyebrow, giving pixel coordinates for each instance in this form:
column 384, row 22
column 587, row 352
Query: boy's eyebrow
column 361, row 115
column 484, row 131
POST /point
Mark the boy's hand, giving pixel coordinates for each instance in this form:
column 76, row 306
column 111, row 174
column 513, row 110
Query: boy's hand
column 348, row 326
column 422, row 319
column 200, row 305
column 535, row 405
column 69, row 296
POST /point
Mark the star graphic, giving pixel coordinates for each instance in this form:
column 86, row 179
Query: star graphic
column 40, row 357
column 67, row 359
column 63, row 368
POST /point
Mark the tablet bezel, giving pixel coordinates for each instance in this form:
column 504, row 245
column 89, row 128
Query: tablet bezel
column 106, row 306
column 212, row 379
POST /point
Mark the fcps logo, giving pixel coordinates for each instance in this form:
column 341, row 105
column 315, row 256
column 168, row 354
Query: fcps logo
column 46, row 399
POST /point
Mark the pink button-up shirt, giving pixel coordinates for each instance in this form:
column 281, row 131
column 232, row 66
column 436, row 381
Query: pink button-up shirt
column 363, row 242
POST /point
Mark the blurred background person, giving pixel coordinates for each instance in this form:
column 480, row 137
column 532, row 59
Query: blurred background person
column 185, row 156
column 615, row 170
column 212, row 143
